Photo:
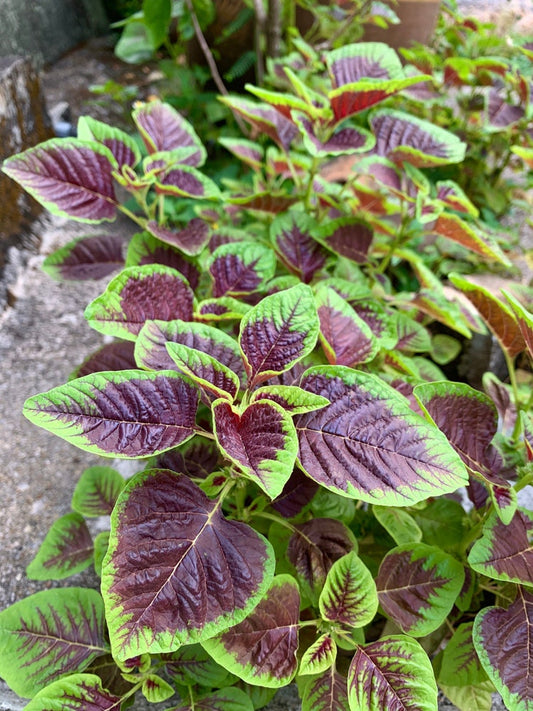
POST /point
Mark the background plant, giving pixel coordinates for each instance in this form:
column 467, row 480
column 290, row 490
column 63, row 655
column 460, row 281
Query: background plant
column 278, row 338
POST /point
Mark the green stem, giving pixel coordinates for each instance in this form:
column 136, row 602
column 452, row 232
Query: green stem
column 310, row 623
column 525, row 481
column 514, row 385
column 141, row 221
column 276, row 519
column 315, row 165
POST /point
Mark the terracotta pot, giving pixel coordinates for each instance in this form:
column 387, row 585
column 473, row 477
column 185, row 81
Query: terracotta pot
column 418, row 19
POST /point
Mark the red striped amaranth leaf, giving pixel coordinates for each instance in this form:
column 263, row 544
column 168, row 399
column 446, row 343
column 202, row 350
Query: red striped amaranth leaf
column 97, row 491
column 48, row 635
column 266, row 201
column 197, row 458
column 454, row 228
column 137, row 295
column 497, row 315
column 524, row 318
column 190, row 239
column 319, row 657
column 346, row 339
column 297, row 493
column 240, row 268
column 402, row 137
column 301, row 254
column 77, row 692
column 368, row 444
column 186, row 181
column 262, row 648
column 264, row 118
column 260, row 441
column 348, row 237
column 128, row 414
column 452, row 195
column 349, row 596
column 176, row 570
column 315, row 546
column 278, row 332
column 162, row 128
column 230, row 698
column 393, row 673
column 151, row 345
column 383, row 322
column 326, row 692
column 291, row 398
column 69, row 177
column 123, row 147
column 67, row 549
column 91, row 257
column 249, row 152
column 112, row 356
column 504, row 642
column 505, row 552
column 214, row 379
column 500, row 113
column 417, row 587
column 145, row 249
column 223, row 308
column 344, row 141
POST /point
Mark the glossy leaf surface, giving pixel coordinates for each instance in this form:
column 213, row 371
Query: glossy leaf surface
column 176, row 570
column 97, row 491
column 417, row 587
column 69, row 177
column 67, row 549
column 393, row 673
column 139, row 294
column 127, row 414
column 504, row 642
column 260, row 441
column 278, row 332
column 349, row 596
column 262, row 648
column 291, row 398
column 368, row 444
column 50, row 634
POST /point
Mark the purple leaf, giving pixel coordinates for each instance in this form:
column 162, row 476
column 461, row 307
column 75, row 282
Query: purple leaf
column 197, row 458
column 118, row 355
column 266, row 119
column 402, row 137
column 505, row 552
column 296, row 494
column 127, row 414
column 278, row 332
column 249, row 152
column 66, row 550
column 177, row 571
column 162, row 128
column 270, row 202
column 262, row 648
column 145, row 249
column 366, row 60
column 69, row 177
column 346, row 338
column 504, row 643
column 84, row 258
column 212, row 377
column 261, row 442
column 349, row 596
column 348, row 237
column 240, row 268
column 325, row 692
column 393, row 673
column 191, row 239
column 185, row 181
column 315, row 546
column 369, row 445
column 78, row 692
column 123, row 147
column 137, row 295
column 301, row 254
column 50, row 634
column 500, row 113
column 223, row 308
column 151, row 345
column 343, row 142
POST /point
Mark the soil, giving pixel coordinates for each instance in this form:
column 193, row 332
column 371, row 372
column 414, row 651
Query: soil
column 43, row 337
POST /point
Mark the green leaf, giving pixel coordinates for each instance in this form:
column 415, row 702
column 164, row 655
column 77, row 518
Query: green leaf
column 101, row 544
column 191, row 664
column 134, row 45
column 97, row 491
column 349, row 596
column 400, row 673
column 66, row 550
column 156, row 689
column 460, row 665
column 319, row 657
column 78, row 691
column 398, row 524
column 291, row 398
column 325, row 692
column 214, row 378
column 157, row 15
column 50, row 634
column 417, row 587
column 227, row 699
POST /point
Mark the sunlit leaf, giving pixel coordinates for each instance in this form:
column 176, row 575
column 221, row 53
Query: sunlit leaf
column 78, row 692
column 123, row 147
column 240, row 268
column 349, row 596
column 319, row 657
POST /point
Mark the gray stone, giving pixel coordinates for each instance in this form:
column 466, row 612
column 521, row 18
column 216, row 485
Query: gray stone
column 47, row 29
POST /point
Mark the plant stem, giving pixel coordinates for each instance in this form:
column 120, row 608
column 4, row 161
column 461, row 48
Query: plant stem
column 141, row 221
column 514, row 385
